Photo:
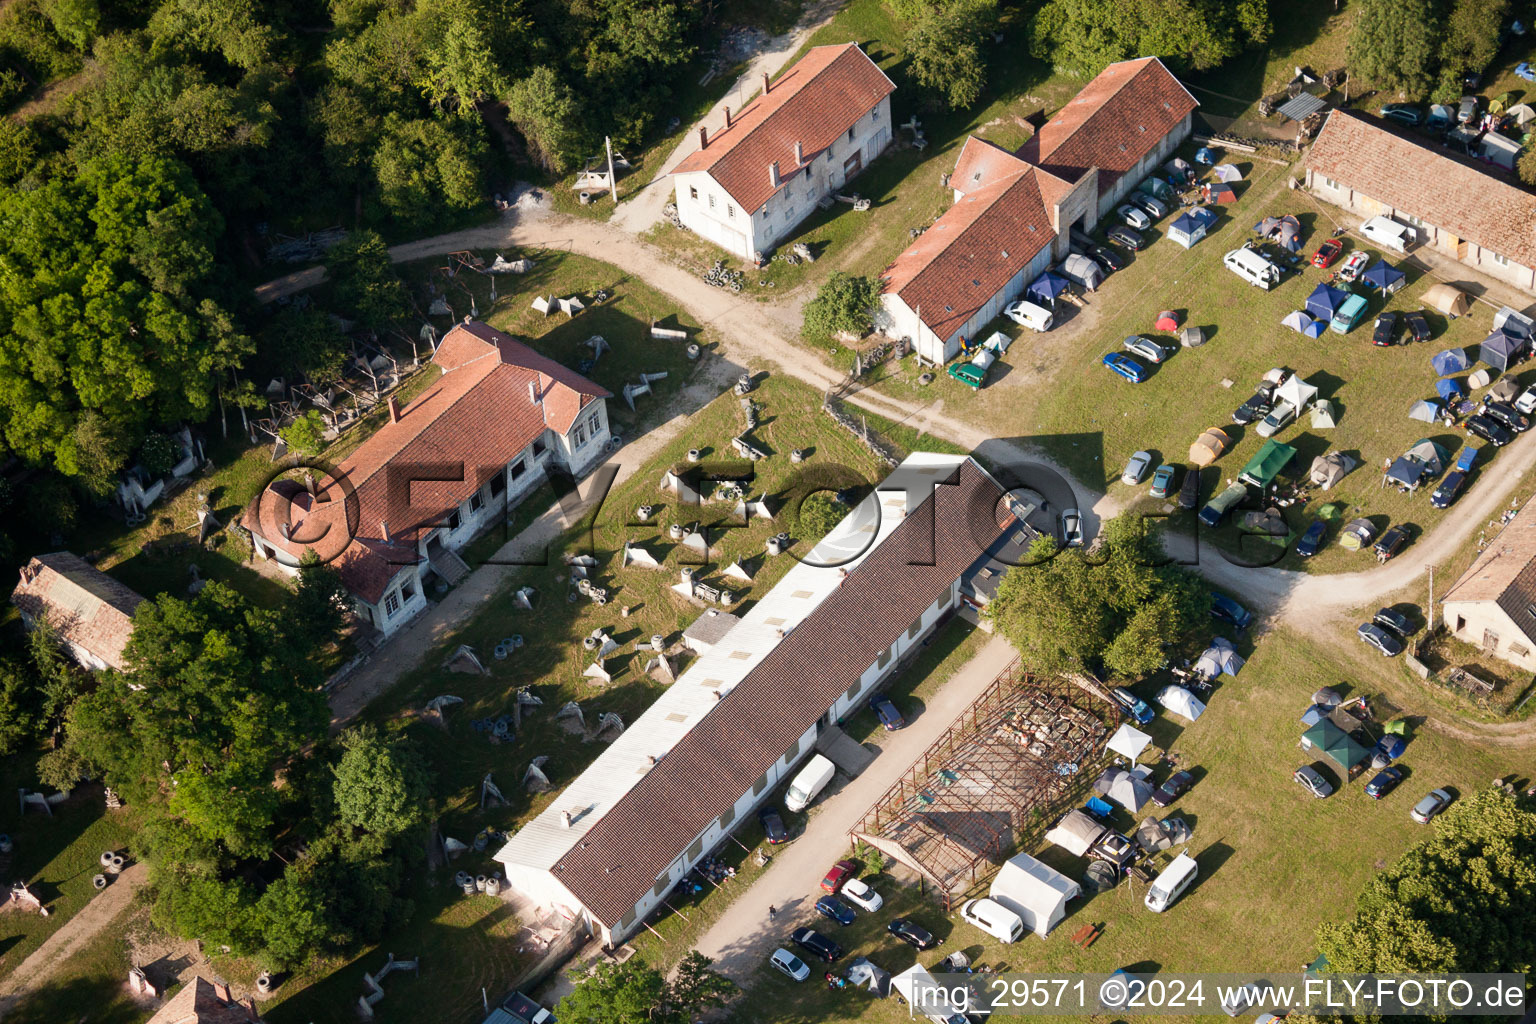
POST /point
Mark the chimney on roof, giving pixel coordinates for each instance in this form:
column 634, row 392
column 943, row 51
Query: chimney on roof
column 703, row 137
column 773, row 174
column 727, row 115
column 799, row 154
column 384, row 529
column 309, row 481
column 286, row 530
column 766, row 86
column 394, row 409
column 533, row 392
column 221, row 993
column 565, row 819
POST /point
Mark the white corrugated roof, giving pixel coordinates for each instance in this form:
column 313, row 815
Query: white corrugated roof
column 545, row 840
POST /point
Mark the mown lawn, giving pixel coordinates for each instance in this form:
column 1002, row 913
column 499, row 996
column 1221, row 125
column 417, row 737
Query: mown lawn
column 92, row 984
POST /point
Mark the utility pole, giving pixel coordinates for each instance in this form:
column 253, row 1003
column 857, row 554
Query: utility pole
column 1430, row 613
column 613, row 183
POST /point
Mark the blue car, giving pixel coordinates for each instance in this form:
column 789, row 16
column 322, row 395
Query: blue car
column 1126, row 367
column 1312, row 541
column 835, row 909
column 1132, row 705
column 889, row 716
column 1224, row 609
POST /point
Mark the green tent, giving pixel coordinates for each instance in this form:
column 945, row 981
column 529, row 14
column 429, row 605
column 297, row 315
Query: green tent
column 1336, row 744
column 1265, row 466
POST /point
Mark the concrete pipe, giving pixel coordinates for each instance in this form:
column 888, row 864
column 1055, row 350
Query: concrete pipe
column 460, row 878
column 469, row 887
column 493, row 886
column 264, row 983
column 694, row 455
column 479, row 883
column 100, row 881
column 675, row 531
column 106, row 858
column 693, row 351
column 774, row 547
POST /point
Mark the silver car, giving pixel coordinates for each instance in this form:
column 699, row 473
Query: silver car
column 1313, row 782
column 1145, row 347
column 1072, row 528
column 1133, row 217
column 1430, row 806
column 1136, row 468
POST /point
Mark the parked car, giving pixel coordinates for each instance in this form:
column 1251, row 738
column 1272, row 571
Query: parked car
column 1101, row 262
column 1396, row 621
column 1217, row 508
column 887, row 712
column 834, row 909
column 1257, row 406
column 859, row 893
column 1445, row 494
column 1278, row 419
column 1391, row 542
column 788, row 964
column 816, row 944
column 1489, row 429
column 1385, row 331
column 1162, row 480
column 1373, row 635
column 1107, row 257
column 1403, row 113
column 1072, row 528
column 1134, row 706
column 1145, row 347
column 1466, row 111
column 1354, row 266
column 1136, row 468
column 1508, row 415
column 1430, row 806
column 773, row 826
column 1224, row 609
column 1526, row 403
column 1177, row 785
column 1028, row 314
column 840, row 873
column 1327, row 254
column 1418, row 325
column 1133, row 217
column 1189, row 490
column 912, row 933
column 1384, row 782
column 1349, row 314
column 1150, row 205
column 1126, row 237
column 1313, row 781
column 1126, row 367
column 1312, row 541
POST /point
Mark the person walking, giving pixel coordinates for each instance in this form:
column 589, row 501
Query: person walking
column 772, row 912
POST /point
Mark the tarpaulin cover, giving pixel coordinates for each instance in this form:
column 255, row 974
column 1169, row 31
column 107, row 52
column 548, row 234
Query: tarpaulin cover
column 1325, row 301
column 1380, row 275
column 1046, row 287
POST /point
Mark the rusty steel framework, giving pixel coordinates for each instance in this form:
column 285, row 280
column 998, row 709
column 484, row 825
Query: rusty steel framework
column 1022, row 747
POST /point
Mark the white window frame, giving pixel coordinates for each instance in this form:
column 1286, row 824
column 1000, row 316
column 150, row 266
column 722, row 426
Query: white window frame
column 1502, row 261
column 476, row 502
column 595, row 424
column 579, row 436
column 391, row 604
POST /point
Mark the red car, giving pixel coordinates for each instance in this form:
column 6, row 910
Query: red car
column 840, row 873
column 1328, row 253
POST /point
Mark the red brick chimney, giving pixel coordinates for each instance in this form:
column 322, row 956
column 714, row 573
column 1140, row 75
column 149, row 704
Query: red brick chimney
column 799, row 154
column 703, row 137
column 394, row 409
column 727, row 115
column 221, row 993
column 765, row 83
column 384, row 530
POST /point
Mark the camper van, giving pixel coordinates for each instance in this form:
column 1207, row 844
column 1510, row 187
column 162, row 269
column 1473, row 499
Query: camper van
column 1253, row 268
column 1027, row 314
column 813, row 778
column 937, row 1008
column 1170, row 885
column 1388, row 234
column 994, row 919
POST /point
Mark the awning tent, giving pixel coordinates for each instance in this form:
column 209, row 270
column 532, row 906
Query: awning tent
column 1430, row 454
column 1379, row 275
column 1405, row 471
column 1325, row 301
column 1045, row 288
column 1335, row 744
column 1129, row 741
column 871, row 976
column 1297, row 321
column 1449, row 388
column 1035, row 891
column 1220, row 192
column 1076, row 833
column 1124, row 788
column 1167, row 320
column 1452, row 360
column 1424, row 411
column 1323, row 416
column 1188, row 228
column 1267, row 464
column 1290, row 234
column 1208, row 446
column 1227, row 172
column 1448, row 299
column 1297, row 392
column 1181, row 702
column 1499, row 350
column 1329, row 469
column 1083, row 270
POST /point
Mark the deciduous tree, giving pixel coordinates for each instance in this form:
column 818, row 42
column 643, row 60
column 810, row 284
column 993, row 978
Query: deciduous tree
column 945, row 50
column 381, row 786
column 1394, row 44
column 844, row 305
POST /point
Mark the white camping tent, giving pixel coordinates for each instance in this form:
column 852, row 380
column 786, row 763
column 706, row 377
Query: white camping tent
column 872, row 976
column 1329, row 469
column 1129, row 741
column 1323, row 416
column 1297, row 392
column 1127, row 790
column 1181, row 702
column 1076, row 833
column 1037, row 892
column 934, row 1005
column 1083, row 270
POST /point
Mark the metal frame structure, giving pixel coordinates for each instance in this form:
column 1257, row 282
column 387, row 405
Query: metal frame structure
column 1024, row 746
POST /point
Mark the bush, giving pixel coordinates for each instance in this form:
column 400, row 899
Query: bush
column 844, row 305
column 305, row 435
column 159, row 454
column 818, row 514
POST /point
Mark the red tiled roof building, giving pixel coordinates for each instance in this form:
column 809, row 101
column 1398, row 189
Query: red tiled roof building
column 90, row 612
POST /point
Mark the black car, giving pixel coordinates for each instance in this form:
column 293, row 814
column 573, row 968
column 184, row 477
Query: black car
column 1489, row 430
column 1256, row 407
column 1105, row 256
column 1380, row 639
column 1189, row 490
column 911, row 933
column 1450, row 487
column 835, row 909
column 1224, row 609
column 1397, row 622
column 1507, row 415
column 773, row 826
column 1391, row 542
column 1417, row 325
column 1177, row 785
column 1386, row 330
column 1121, row 235
column 1385, row 782
column 816, row 944
column 1312, row 541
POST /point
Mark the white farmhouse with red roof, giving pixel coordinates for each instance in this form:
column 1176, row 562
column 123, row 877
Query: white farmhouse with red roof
column 752, row 180
column 442, row 469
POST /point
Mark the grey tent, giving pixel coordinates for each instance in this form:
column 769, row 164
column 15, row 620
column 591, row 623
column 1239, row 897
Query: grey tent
column 1329, row 469
column 1522, row 113
column 1268, row 523
column 1499, row 349
column 1155, row 836
column 1505, row 389
column 1082, row 270
column 1513, row 323
column 1181, row 702
column 1296, row 320
column 1192, row 337
column 872, row 976
column 1424, row 411
column 1323, row 415
column 1290, row 234
column 1478, row 379
column 1076, row 833
column 1125, row 789
column 1227, row 172
column 1267, row 226
column 1221, row 658
column 1328, row 697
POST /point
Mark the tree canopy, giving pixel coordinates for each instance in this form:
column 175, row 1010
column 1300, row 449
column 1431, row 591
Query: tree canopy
column 1422, row 48
column 1082, row 37
column 844, row 304
column 634, row 992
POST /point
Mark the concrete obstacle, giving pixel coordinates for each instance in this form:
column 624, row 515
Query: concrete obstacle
column 662, row 665
column 375, row 991
column 738, row 572
column 668, row 332
column 609, row 723
column 695, row 540
column 634, row 554
column 534, row 779
column 758, row 509
column 524, row 598
column 745, row 449
column 572, row 710
column 571, row 306
column 599, row 670
column 490, row 791
column 544, row 303
column 463, row 659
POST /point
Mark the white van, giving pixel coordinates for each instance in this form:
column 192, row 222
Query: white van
column 994, row 919
column 1389, row 234
column 1170, row 885
column 914, row 984
column 813, row 778
column 1253, row 268
column 1027, row 314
